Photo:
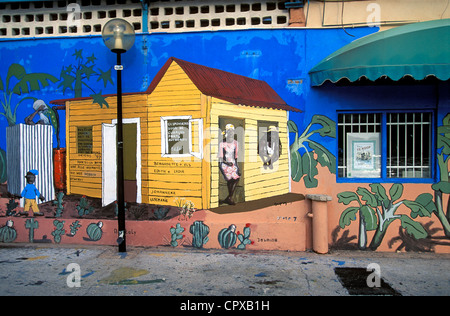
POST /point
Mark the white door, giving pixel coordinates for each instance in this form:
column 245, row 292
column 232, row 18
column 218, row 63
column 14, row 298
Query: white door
column 109, row 164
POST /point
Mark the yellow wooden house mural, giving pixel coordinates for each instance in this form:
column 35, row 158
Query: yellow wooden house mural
column 172, row 135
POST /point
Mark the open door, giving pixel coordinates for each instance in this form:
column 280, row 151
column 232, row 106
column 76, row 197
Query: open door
column 132, row 161
column 109, row 164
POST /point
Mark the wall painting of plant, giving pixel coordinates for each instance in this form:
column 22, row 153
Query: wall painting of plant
column 78, row 75
column 303, row 162
column 443, row 186
column 376, row 210
column 17, row 83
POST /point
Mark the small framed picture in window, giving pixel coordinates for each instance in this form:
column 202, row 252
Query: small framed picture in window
column 364, row 155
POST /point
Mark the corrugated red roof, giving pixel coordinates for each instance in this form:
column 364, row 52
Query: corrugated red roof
column 227, row 86
column 220, row 84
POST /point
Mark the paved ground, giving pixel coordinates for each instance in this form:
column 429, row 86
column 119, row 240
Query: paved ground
column 29, row 269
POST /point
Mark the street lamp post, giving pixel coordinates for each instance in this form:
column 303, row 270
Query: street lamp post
column 118, row 36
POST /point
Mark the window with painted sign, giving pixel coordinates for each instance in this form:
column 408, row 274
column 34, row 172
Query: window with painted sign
column 181, row 136
column 84, row 139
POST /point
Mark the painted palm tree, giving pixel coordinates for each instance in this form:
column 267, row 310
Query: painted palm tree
column 19, row 82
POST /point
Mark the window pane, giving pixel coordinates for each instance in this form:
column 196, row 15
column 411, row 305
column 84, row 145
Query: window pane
column 362, row 129
column 409, row 145
column 178, row 136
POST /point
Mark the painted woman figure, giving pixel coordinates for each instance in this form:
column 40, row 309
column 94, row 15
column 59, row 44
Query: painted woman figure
column 228, row 155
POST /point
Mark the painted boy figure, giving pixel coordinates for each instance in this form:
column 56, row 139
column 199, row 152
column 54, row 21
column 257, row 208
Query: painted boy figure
column 30, row 192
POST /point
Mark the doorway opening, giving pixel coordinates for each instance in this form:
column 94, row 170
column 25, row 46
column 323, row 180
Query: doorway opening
column 239, row 136
column 131, row 157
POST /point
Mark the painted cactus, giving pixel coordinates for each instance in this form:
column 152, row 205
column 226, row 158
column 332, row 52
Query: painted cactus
column 74, row 228
column 7, row 232
column 200, row 233
column 176, row 234
column 31, row 224
column 244, row 238
column 59, row 204
column 58, row 231
column 227, row 237
column 83, row 207
column 94, row 231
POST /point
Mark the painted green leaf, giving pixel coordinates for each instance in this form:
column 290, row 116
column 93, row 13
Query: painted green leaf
column 444, row 129
column 309, row 167
column 33, row 82
column 292, row 127
column 296, row 166
column 52, row 116
column 413, row 228
column 90, row 59
column 246, row 232
column 426, row 199
column 443, row 142
column 78, row 54
column 324, row 157
column 88, row 71
column 99, row 99
column 67, row 82
column 328, row 125
column 379, row 192
column 368, row 197
column 347, row 197
column 442, row 186
column 446, row 125
column 396, row 191
column 370, row 217
column 15, row 70
column 105, row 76
column 417, row 209
column 347, row 216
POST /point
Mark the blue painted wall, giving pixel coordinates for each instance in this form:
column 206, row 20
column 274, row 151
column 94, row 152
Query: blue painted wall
column 282, row 58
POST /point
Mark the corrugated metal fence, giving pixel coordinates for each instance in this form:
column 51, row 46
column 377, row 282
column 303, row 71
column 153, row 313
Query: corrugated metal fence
column 30, row 147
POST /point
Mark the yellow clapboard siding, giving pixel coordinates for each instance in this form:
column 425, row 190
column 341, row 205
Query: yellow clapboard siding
column 240, row 111
column 174, row 171
column 88, row 191
column 267, row 193
column 154, row 184
column 176, row 179
column 174, row 193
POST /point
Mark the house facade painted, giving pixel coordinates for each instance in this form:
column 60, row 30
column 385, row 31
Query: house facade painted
column 186, row 105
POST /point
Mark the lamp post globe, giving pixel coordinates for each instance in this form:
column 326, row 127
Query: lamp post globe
column 118, row 35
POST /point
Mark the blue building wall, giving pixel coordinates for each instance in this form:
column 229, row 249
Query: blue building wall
column 282, row 58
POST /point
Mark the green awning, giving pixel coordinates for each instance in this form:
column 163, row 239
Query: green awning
column 418, row 50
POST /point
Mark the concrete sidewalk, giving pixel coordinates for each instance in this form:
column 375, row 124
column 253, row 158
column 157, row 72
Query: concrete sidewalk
column 30, row 269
